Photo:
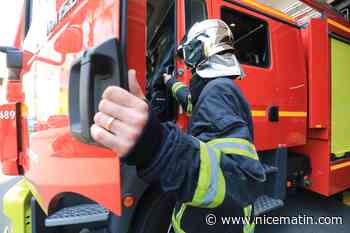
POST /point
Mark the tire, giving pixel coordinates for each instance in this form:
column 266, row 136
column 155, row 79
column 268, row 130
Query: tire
column 153, row 215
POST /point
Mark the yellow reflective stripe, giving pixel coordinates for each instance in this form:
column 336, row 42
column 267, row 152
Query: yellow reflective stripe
column 211, row 188
column 221, row 192
column 236, row 146
column 240, row 152
column 215, row 196
column 246, row 211
column 340, row 166
column 248, row 228
column 189, row 105
column 37, row 196
column 292, row 114
column 257, row 113
column 176, row 86
column 204, row 176
column 233, row 140
column 176, row 219
column 181, row 211
column 17, row 207
column 339, row 25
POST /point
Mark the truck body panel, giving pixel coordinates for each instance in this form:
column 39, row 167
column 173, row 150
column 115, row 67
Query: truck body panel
column 17, row 207
column 9, row 142
column 85, row 169
column 329, row 171
column 282, row 83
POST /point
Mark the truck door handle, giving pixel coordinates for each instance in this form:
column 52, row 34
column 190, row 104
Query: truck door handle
column 90, row 75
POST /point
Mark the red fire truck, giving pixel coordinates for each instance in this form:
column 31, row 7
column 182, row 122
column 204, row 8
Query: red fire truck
column 68, row 51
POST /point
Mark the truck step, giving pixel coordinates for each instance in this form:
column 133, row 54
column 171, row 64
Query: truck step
column 269, row 169
column 265, row 204
column 81, row 214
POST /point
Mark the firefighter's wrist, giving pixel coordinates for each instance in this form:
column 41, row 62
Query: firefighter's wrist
column 171, row 82
column 148, row 144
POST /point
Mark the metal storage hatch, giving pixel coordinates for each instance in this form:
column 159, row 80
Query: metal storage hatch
column 340, row 97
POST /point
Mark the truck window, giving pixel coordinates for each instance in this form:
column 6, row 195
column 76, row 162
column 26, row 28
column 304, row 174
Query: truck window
column 251, row 39
column 196, row 11
column 160, row 33
column 161, row 42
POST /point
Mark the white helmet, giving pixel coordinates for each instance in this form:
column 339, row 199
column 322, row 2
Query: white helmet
column 204, row 49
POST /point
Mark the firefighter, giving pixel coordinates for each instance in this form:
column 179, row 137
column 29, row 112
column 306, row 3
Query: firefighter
column 214, row 169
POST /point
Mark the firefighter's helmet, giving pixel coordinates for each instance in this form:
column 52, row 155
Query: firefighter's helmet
column 208, row 47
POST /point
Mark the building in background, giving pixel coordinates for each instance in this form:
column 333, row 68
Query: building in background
column 302, row 13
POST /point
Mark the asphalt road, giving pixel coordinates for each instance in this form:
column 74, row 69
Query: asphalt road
column 312, row 205
column 5, row 183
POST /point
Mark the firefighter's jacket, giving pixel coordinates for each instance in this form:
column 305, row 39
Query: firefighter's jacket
column 214, row 168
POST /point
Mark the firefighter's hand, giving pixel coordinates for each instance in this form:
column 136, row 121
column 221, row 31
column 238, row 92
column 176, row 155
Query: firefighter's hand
column 166, row 78
column 121, row 118
column 134, row 85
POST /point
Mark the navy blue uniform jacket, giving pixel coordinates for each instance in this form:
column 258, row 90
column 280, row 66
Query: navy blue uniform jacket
column 221, row 112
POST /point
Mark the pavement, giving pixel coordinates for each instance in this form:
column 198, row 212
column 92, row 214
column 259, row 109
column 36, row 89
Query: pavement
column 310, row 205
column 6, row 182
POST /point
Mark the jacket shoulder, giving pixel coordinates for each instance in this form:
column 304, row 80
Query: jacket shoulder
column 221, row 85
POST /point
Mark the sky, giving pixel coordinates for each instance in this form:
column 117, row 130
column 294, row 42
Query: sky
column 9, row 16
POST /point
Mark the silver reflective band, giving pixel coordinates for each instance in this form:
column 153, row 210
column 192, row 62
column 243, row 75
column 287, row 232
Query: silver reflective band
column 220, row 65
column 213, row 187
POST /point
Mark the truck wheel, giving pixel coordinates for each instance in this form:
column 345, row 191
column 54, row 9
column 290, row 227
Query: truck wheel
column 153, row 213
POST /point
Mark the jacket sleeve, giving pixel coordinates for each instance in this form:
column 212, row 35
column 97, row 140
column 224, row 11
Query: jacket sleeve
column 203, row 174
column 181, row 93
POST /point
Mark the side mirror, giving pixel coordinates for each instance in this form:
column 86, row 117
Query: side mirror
column 70, row 41
column 10, row 60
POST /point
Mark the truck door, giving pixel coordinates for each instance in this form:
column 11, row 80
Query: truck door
column 269, row 47
column 60, row 158
column 189, row 12
column 161, row 43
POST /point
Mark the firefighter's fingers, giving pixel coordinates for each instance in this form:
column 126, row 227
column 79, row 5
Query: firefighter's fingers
column 116, row 127
column 134, row 85
column 107, row 139
column 125, row 98
column 132, row 117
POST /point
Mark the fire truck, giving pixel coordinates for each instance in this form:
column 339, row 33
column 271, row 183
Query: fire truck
column 68, row 51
